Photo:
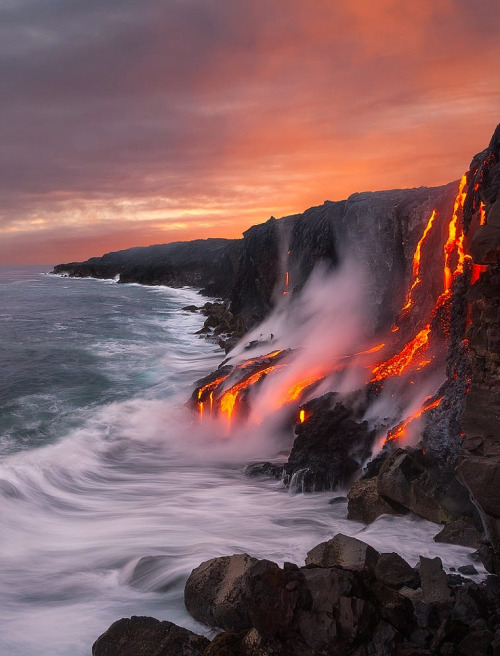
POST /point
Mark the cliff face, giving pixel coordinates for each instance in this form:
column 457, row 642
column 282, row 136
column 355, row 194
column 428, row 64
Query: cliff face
column 480, row 466
column 207, row 263
column 378, row 229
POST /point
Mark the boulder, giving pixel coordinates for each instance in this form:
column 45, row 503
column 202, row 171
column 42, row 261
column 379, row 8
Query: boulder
column 462, row 532
column 365, row 503
column 147, row 636
column 344, row 552
column 432, row 494
column 329, row 444
column 273, row 597
column 215, row 592
column 394, row 571
column 433, row 580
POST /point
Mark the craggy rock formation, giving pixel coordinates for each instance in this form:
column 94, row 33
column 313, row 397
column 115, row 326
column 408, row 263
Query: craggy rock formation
column 206, row 263
column 215, row 592
column 147, row 636
column 331, row 445
column 351, row 600
column 378, row 228
column 480, row 465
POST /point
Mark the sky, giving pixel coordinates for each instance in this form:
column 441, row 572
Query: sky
column 133, row 122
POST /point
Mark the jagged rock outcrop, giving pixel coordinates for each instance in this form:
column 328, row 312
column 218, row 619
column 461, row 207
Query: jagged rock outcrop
column 330, row 445
column 147, row 636
column 479, row 468
column 351, row 600
column 206, row 263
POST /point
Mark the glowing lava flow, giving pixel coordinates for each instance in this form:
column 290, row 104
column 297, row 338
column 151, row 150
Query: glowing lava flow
column 399, row 432
column 228, row 399
column 302, row 416
column 259, row 359
column 455, row 241
column 294, row 392
column 396, row 365
column 416, row 264
column 287, row 282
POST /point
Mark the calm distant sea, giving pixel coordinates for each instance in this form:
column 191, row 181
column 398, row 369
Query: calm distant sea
column 102, row 465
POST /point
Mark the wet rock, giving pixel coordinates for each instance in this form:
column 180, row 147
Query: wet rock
column 317, row 625
column 394, row 571
column 147, row 636
column 190, row 308
column 215, row 592
column 344, row 552
column 462, row 531
column 366, row 504
column 434, row 495
column 356, row 618
column 273, row 597
column 337, row 500
column 329, row 445
column 468, row 570
column 433, row 580
column 264, row 469
column 225, row 644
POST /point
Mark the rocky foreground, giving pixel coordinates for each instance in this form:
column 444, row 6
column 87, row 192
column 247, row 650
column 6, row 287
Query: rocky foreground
column 348, row 599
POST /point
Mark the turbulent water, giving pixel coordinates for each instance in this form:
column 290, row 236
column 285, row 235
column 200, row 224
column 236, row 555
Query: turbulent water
column 101, row 465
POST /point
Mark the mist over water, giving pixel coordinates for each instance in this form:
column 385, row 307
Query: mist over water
column 102, row 465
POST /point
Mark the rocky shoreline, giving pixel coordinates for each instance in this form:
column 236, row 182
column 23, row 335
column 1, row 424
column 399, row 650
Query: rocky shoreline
column 349, row 599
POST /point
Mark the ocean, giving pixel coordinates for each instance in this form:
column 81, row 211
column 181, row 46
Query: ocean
column 110, row 490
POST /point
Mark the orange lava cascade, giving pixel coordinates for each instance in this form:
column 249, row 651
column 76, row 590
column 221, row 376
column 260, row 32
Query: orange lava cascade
column 416, row 263
column 287, row 282
column 294, row 392
column 455, row 241
column 211, row 386
column 399, row 432
column 228, row 399
column 396, row 365
column 259, row 359
column 482, row 214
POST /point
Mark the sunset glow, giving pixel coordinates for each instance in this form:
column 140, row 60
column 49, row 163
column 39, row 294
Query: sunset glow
column 221, row 114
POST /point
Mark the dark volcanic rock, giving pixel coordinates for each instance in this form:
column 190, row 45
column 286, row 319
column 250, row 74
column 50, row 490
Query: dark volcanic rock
column 394, row 571
column 147, row 636
column 330, row 445
column 366, row 504
column 433, row 580
column 215, row 592
column 264, row 469
column 207, row 263
column 344, row 552
column 430, row 493
column 479, row 469
column 462, row 531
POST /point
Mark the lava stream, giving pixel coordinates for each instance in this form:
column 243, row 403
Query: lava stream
column 416, row 263
column 396, row 365
column 399, row 432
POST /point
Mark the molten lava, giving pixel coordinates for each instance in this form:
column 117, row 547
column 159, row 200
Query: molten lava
column 399, row 432
column 210, row 387
column 396, row 365
column 294, row 392
column 228, row 399
column 416, row 264
column 302, row 416
column 455, row 241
